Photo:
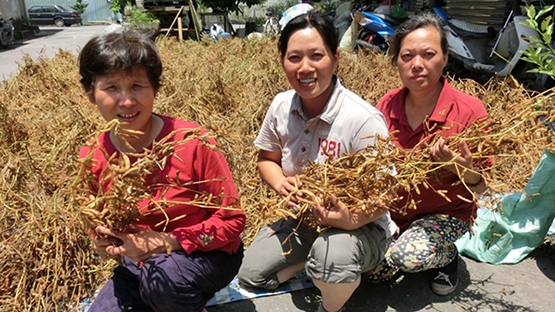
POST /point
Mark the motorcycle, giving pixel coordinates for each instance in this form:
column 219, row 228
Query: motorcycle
column 7, row 32
column 377, row 27
column 469, row 50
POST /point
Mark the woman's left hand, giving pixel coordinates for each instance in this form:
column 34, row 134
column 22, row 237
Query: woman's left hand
column 442, row 153
column 341, row 217
column 338, row 216
column 138, row 244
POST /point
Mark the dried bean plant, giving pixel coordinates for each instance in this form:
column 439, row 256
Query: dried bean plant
column 128, row 175
column 498, row 144
column 45, row 256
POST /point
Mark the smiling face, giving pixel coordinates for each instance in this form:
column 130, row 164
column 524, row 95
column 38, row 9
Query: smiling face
column 126, row 96
column 309, row 65
column 421, row 59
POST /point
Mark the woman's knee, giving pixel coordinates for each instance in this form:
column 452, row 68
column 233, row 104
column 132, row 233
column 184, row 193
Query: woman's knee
column 260, row 264
column 335, row 258
column 257, row 277
column 412, row 256
column 267, row 255
column 336, row 247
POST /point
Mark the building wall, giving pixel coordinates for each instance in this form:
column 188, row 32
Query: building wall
column 483, row 12
column 12, row 9
column 96, row 11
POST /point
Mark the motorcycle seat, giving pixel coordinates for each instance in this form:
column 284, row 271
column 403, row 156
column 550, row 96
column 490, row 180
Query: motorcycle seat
column 470, row 30
column 395, row 21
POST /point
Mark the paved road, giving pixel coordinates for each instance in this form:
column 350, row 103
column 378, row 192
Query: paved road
column 47, row 42
column 528, row 286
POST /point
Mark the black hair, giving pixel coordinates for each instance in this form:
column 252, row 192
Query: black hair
column 311, row 19
column 122, row 50
column 415, row 22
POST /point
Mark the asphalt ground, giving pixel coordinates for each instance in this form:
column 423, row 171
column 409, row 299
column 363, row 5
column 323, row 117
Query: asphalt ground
column 45, row 44
column 526, row 286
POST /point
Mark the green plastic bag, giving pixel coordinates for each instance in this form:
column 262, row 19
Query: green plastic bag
column 509, row 237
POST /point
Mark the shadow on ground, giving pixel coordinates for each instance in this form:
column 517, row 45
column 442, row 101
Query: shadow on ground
column 23, row 42
column 482, row 287
column 47, row 32
column 544, row 255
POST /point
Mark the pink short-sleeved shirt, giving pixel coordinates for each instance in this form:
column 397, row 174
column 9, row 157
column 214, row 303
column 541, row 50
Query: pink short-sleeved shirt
column 203, row 170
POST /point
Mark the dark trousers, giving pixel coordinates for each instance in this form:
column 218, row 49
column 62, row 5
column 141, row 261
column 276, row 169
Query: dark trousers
column 168, row 282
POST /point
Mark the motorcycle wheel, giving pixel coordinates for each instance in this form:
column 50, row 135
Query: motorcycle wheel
column 5, row 40
column 530, row 81
column 454, row 67
column 367, row 45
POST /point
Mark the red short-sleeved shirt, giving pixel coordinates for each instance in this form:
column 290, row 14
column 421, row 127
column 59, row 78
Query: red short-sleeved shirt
column 454, row 111
column 192, row 169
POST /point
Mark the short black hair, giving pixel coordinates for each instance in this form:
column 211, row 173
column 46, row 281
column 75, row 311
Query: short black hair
column 120, row 50
column 311, row 19
column 414, row 22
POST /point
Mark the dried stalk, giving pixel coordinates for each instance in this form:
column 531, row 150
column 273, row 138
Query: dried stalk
column 128, row 175
column 363, row 181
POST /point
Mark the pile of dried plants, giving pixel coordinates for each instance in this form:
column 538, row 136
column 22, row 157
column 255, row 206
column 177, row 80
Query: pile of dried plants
column 45, row 253
column 130, row 176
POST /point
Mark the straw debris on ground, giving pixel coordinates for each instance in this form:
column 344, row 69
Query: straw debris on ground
column 45, row 253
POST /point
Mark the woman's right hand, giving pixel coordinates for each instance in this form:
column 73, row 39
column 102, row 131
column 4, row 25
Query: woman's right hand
column 269, row 165
column 136, row 243
column 100, row 244
column 289, row 185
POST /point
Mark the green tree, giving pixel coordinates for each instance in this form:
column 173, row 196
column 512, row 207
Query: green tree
column 79, row 6
column 229, row 5
column 541, row 51
column 141, row 17
column 282, row 6
column 117, row 6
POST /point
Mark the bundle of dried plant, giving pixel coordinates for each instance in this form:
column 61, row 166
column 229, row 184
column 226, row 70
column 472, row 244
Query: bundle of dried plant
column 47, row 260
column 129, row 176
column 363, row 180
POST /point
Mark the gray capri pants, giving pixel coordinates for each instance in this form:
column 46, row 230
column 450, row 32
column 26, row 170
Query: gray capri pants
column 333, row 256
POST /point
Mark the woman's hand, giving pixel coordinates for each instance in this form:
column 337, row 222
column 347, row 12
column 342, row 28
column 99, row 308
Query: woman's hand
column 442, row 153
column 100, row 243
column 138, row 244
column 341, row 217
column 269, row 165
column 288, row 186
column 337, row 216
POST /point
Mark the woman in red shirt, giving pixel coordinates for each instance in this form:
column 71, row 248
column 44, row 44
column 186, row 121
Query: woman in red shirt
column 427, row 107
column 178, row 257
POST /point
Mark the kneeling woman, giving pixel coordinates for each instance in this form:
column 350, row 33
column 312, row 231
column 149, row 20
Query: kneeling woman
column 319, row 118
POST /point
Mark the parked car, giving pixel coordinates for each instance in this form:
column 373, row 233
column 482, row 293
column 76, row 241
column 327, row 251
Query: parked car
column 48, row 14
